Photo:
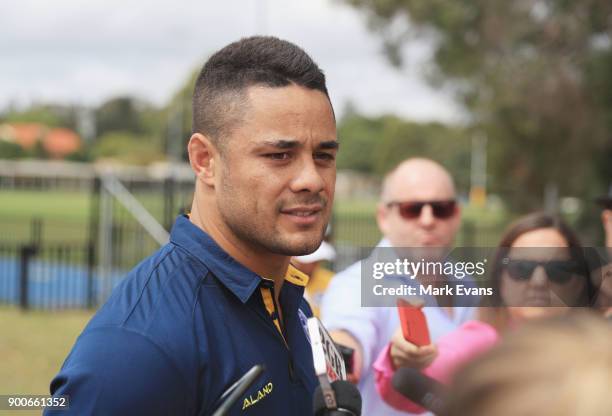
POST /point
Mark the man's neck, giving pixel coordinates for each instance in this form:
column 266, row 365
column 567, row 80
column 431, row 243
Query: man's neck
column 265, row 264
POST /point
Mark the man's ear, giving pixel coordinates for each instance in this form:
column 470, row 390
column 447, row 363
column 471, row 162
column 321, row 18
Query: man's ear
column 381, row 217
column 456, row 218
column 202, row 156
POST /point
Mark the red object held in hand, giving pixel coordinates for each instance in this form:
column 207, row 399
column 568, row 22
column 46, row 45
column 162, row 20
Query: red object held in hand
column 414, row 323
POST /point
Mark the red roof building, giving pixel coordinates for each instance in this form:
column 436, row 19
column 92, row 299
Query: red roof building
column 57, row 142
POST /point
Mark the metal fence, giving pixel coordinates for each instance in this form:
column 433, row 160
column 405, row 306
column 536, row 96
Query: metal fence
column 74, row 259
column 77, row 260
column 36, row 272
column 50, row 276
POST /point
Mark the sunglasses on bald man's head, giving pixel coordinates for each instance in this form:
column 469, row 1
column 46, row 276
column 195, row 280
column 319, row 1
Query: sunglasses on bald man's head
column 410, row 210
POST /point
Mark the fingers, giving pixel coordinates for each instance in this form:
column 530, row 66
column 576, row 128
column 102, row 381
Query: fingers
column 345, row 338
column 403, row 346
column 419, row 362
column 406, row 354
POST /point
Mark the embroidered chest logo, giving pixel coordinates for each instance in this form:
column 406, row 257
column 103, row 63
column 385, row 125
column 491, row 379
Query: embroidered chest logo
column 304, row 323
column 262, row 393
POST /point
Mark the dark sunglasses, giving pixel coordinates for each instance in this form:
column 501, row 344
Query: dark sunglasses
column 412, row 210
column 558, row 271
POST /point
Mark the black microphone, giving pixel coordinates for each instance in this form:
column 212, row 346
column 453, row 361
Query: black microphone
column 348, row 400
column 236, row 390
column 421, row 389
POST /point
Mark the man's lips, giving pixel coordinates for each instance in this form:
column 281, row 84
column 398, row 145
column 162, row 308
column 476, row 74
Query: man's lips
column 303, row 215
column 303, row 211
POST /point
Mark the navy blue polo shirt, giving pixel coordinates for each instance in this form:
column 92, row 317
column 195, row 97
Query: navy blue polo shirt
column 183, row 326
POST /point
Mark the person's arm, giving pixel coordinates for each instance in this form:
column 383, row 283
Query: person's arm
column 346, row 339
column 113, row 371
column 400, row 353
column 347, row 322
column 453, row 350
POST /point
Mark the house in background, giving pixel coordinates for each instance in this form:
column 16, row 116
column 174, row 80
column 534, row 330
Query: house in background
column 57, row 142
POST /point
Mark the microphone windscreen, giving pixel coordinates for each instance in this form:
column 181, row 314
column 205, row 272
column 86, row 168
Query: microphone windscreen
column 347, row 398
column 421, row 389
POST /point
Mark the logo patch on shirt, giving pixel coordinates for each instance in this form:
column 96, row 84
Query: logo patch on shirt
column 304, row 322
column 254, row 398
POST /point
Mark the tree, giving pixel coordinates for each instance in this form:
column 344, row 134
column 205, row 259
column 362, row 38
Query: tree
column 51, row 115
column 9, row 150
column 127, row 148
column 122, row 114
column 376, row 144
column 178, row 116
column 535, row 76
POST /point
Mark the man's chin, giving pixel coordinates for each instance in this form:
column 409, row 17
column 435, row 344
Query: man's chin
column 303, row 249
column 301, row 246
column 427, row 253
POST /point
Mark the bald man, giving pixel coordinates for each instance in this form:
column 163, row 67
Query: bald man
column 417, row 208
column 418, row 181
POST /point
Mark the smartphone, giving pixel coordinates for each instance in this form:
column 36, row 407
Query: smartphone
column 414, row 323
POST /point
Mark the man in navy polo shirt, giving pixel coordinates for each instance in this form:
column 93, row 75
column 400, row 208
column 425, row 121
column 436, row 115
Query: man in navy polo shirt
column 221, row 296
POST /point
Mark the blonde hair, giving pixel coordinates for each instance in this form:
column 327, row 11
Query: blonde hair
column 560, row 366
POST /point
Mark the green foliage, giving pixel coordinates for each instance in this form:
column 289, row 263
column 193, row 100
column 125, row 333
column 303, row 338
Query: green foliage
column 128, row 148
column 375, row 145
column 52, row 115
column 358, row 137
column 178, row 115
column 82, row 155
column 9, row 150
column 536, row 76
column 121, row 114
column 38, row 151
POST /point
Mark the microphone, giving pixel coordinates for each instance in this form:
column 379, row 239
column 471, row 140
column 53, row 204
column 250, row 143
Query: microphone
column 236, row 390
column 421, row 389
column 348, row 400
column 334, row 396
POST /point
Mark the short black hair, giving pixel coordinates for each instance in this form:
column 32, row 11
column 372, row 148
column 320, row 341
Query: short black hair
column 219, row 96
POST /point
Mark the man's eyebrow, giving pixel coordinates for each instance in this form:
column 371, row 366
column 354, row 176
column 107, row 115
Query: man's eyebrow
column 281, row 144
column 329, row 145
column 292, row 144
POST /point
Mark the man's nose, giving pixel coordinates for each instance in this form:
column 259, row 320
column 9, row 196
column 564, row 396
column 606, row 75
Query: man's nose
column 307, row 177
column 426, row 218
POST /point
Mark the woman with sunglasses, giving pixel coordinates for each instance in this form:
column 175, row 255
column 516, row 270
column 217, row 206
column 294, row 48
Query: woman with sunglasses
column 539, row 270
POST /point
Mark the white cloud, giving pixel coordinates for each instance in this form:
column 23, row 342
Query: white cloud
column 86, row 52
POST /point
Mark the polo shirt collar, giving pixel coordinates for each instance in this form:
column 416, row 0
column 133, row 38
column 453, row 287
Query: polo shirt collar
column 237, row 278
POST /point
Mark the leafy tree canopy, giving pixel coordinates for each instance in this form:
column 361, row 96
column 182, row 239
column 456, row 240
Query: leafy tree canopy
column 535, row 76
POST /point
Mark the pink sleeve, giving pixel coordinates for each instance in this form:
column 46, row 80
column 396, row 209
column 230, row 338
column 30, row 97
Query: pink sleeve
column 383, row 370
column 456, row 348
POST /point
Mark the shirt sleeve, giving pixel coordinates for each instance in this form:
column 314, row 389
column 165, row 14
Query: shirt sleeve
column 114, row 371
column 455, row 349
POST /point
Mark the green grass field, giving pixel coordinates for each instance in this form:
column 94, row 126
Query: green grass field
column 33, row 346
column 60, row 206
column 65, row 217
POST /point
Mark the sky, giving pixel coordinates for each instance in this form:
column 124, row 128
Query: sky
column 85, row 52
